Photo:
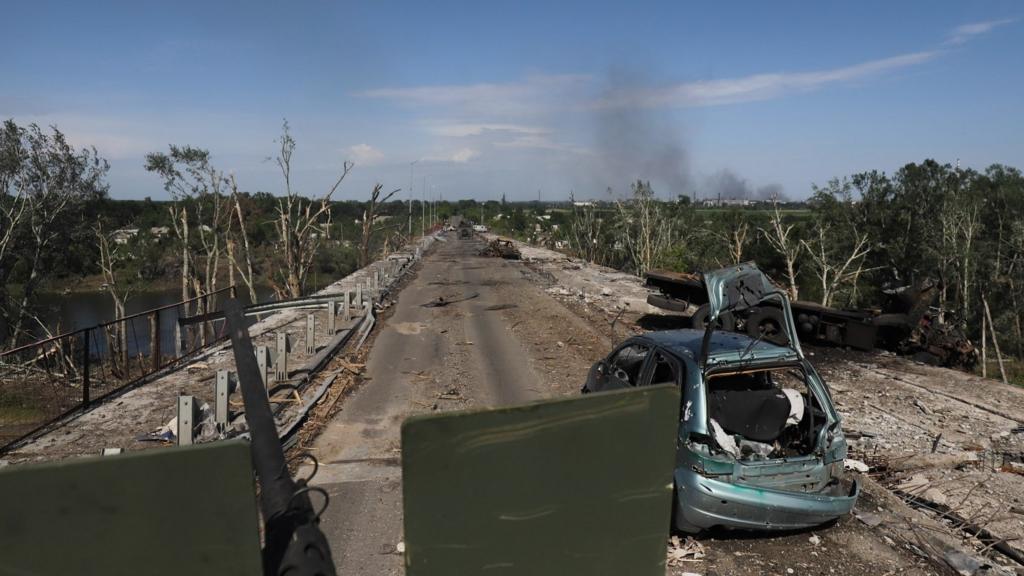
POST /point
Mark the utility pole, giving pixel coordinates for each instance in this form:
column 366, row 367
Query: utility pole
column 411, row 164
column 423, row 208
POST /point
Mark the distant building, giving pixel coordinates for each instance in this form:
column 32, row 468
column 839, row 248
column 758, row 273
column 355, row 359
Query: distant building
column 123, row 235
column 584, row 204
column 718, row 202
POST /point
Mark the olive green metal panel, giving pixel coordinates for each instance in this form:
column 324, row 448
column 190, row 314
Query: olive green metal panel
column 572, row 486
column 188, row 510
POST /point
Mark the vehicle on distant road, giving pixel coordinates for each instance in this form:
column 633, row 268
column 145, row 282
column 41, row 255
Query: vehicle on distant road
column 759, row 444
column 479, row 228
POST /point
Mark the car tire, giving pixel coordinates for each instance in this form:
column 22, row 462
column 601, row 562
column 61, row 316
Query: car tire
column 699, row 320
column 768, row 324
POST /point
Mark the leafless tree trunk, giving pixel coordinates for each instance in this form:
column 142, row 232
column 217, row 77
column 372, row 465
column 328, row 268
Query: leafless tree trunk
column 585, row 232
column 995, row 341
column 370, row 222
column 834, row 271
column 967, row 223
column 301, row 224
column 647, row 232
column 780, row 239
column 195, row 186
column 117, row 335
column 735, row 238
column 246, row 274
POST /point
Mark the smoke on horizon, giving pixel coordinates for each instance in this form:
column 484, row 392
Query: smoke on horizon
column 728, row 185
column 634, row 142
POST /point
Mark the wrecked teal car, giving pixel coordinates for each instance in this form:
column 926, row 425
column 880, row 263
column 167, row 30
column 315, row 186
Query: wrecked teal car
column 760, row 445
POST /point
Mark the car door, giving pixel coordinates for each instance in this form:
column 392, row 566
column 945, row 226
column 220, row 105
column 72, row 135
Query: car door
column 625, row 367
column 662, row 368
column 739, row 288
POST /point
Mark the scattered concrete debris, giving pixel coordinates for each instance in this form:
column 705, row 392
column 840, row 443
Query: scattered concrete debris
column 441, row 301
column 869, row 518
column 682, row 551
column 856, row 465
column 501, row 248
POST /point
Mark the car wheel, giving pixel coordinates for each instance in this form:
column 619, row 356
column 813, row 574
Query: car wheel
column 699, row 320
column 767, row 323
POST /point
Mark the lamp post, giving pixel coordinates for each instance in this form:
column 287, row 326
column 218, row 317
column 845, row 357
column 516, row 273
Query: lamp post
column 411, row 164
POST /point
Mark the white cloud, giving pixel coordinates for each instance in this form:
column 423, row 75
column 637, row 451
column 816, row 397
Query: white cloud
column 541, row 142
column 961, row 34
column 757, row 86
column 364, row 154
column 463, row 155
column 524, row 97
column 460, row 156
column 461, row 130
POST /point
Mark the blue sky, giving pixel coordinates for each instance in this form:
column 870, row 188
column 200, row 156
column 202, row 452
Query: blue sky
column 510, row 98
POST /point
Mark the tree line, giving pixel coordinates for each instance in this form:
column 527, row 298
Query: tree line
column 58, row 225
column 855, row 237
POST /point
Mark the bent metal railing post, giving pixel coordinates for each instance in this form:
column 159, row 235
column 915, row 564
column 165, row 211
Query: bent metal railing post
column 46, row 381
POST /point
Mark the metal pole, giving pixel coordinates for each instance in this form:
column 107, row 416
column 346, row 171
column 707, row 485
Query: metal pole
column 411, row 165
column 85, row 369
column 154, row 341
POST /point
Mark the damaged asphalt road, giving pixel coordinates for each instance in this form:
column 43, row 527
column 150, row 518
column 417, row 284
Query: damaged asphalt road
column 466, row 353
column 525, row 336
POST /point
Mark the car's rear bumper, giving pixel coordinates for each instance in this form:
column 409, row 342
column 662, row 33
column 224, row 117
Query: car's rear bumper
column 703, row 503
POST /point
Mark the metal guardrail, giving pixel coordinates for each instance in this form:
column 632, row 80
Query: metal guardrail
column 46, row 381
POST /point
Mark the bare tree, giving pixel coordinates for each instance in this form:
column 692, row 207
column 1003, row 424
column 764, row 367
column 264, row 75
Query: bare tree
column 199, row 207
column 734, row 235
column 967, row 225
column 371, row 221
column 117, row 334
column 585, row 232
column 646, row 229
column 835, row 270
column 302, row 224
column 784, row 242
column 246, row 273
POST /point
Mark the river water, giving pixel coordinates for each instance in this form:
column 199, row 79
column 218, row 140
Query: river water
column 75, row 310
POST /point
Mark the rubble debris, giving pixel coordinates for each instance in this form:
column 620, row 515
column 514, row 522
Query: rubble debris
column 501, row 248
column 869, row 518
column 856, row 465
column 441, row 301
column 682, row 551
column 965, row 525
column 961, row 563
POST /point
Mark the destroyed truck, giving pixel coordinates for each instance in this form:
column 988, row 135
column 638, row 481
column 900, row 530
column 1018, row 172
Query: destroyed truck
column 907, row 323
column 759, row 441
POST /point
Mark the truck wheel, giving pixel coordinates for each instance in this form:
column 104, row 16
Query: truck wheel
column 768, row 324
column 700, row 320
